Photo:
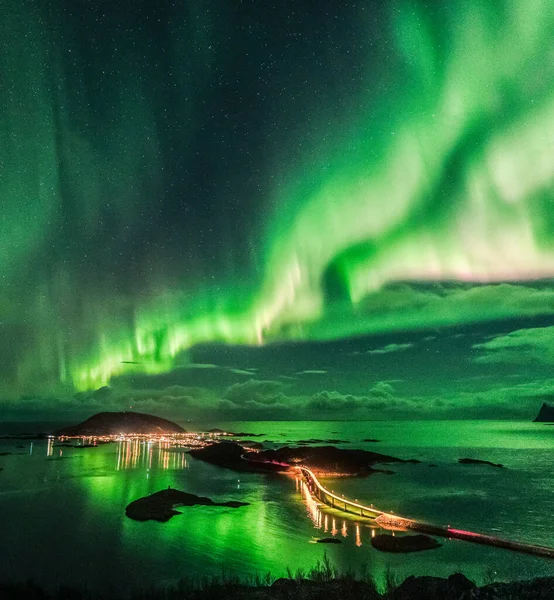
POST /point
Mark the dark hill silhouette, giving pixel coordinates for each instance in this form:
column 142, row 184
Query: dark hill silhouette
column 546, row 414
column 112, row 423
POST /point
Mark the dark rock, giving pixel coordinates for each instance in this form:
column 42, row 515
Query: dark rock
column 546, row 414
column 457, row 586
column 537, row 589
column 329, row 541
column 160, row 506
column 283, row 583
column 370, row 440
column 328, row 458
column 404, row 543
column 317, row 441
column 475, row 461
column 112, row 423
column 255, row 445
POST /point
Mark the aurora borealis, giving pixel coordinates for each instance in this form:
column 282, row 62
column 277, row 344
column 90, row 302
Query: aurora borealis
column 198, row 172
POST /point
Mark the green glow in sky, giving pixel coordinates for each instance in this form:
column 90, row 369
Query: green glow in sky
column 415, row 144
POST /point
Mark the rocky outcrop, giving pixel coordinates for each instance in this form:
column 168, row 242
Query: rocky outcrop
column 434, row 588
column 404, row 543
column 542, row 588
column 476, row 461
column 161, row 505
column 546, row 414
column 113, row 423
column 326, row 458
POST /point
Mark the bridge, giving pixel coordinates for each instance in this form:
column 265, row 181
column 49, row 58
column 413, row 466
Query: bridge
column 392, row 521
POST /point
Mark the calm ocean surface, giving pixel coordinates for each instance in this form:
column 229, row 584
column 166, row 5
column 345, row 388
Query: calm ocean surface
column 62, row 519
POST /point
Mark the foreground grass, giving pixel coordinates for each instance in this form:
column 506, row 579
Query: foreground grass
column 321, row 582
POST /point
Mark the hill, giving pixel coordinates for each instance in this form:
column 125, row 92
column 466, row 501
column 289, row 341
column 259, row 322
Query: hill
column 112, row 423
column 546, row 414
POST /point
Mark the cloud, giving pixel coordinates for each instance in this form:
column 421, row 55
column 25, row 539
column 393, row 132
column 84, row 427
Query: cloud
column 522, row 346
column 243, row 400
column 381, row 390
column 390, row 348
column 399, row 306
column 380, row 396
column 266, row 392
column 312, row 372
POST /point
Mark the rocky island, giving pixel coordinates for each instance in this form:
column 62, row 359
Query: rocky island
column 321, row 458
column 160, row 506
column 476, row 461
column 114, row 423
column 404, row 543
column 546, row 414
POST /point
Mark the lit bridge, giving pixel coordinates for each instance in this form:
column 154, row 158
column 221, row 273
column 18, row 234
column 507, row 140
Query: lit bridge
column 391, row 521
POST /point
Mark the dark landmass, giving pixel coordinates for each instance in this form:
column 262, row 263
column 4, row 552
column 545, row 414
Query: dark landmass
column 160, row 505
column 327, row 458
column 243, row 434
column 316, row 441
column 457, row 587
column 215, row 430
column 329, row 541
column 254, row 445
column 476, row 461
column 370, row 440
column 24, row 436
column 5, row 453
column 546, row 414
column 76, row 445
column 230, row 455
column 113, row 423
column 321, row 582
column 404, row 543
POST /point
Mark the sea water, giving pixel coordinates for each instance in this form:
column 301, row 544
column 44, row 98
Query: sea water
column 62, row 511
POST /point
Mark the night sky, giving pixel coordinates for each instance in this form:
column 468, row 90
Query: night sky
column 302, row 209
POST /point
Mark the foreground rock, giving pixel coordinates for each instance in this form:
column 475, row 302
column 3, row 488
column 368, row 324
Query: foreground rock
column 546, row 414
column 326, row 458
column 404, row 543
column 457, row 586
column 536, row 589
column 160, row 506
column 476, row 461
column 113, row 423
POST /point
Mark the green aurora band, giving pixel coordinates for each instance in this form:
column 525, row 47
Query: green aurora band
column 444, row 172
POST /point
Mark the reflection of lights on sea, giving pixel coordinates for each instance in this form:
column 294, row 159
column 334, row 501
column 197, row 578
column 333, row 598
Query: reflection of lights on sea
column 132, row 454
column 323, row 520
column 313, row 508
column 358, row 538
column 50, row 446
